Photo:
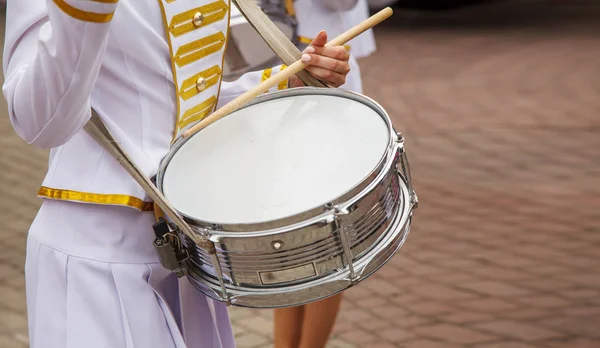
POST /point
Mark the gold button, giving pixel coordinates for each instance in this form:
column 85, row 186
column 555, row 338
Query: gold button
column 200, row 84
column 198, row 19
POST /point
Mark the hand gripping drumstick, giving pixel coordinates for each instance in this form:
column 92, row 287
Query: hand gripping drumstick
column 287, row 73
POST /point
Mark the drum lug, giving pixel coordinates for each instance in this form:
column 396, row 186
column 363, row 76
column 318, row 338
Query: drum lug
column 404, row 170
column 338, row 215
column 171, row 257
column 399, row 138
column 217, row 266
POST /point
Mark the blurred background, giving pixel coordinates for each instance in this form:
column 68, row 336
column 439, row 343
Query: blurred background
column 500, row 104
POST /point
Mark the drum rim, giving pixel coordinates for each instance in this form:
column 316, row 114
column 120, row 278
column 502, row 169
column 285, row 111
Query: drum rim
column 387, row 159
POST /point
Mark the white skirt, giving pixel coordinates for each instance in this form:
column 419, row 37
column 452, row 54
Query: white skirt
column 93, row 280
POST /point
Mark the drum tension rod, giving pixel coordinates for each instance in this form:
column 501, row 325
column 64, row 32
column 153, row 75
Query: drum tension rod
column 405, row 170
column 171, row 257
column 341, row 230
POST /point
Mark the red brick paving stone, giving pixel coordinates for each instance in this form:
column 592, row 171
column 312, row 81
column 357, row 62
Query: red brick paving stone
column 499, row 274
column 580, row 326
column 486, row 305
column 342, row 325
column 452, row 278
column 390, row 312
column 356, row 315
column 547, row 284
column 454, row 334
column 544, row 301
column 359, row 337
column 372, row 302
column 340, row 343
column 527, row 314
column 408, row 282
column 441, row 292
column 382, row 345
column 395, row 335
column 406, row 298
column 492, row 288
column 588, row 279
column 462, row 317
column 506, row 344
column 412, row 321
column 258, row 325
column 381, row 287
column 250, row 340
column 429, row 308
column 426, row 343
column 573, row 343
column 520, row 330
column 357, row 292
column 376, row 324
column 584, row 310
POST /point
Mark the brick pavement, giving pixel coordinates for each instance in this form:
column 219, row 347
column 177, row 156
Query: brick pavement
column 500, row 108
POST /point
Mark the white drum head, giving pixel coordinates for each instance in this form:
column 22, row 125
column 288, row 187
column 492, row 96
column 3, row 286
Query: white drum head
column 276, row 159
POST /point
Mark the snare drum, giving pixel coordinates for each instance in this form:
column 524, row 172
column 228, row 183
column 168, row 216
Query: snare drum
column 304, row 193
column 246, row 50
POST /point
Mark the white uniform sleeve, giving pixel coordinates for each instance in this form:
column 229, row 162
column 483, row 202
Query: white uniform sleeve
column 52, row 56
column 231, row 90
column 339, row 5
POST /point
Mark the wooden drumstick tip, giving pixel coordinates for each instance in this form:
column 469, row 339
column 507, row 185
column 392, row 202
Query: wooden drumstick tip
column 274, row 80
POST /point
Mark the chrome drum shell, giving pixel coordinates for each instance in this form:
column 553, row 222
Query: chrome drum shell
column 313, row 254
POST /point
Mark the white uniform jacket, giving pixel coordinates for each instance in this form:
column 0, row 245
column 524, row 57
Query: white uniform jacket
column 364, row 44
column 149, row 68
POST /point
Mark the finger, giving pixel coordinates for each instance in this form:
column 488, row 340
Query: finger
column 336, row 52
column 320, row 39
column 339, row 66
column 330, row 77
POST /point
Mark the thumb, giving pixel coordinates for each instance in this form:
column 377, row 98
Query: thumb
column 320, row 39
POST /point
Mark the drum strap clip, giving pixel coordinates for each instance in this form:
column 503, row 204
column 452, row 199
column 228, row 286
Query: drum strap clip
column 172, row 257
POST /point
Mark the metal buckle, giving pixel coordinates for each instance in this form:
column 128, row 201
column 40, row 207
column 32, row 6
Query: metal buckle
column 172, row 257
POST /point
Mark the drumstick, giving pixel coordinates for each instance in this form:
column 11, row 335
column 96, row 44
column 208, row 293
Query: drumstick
column 286, row 73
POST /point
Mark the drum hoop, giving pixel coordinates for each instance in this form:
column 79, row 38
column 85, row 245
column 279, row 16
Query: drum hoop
column 377, row 174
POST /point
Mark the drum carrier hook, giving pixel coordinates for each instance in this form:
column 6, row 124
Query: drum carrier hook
column 168, row 246
column 167, row 243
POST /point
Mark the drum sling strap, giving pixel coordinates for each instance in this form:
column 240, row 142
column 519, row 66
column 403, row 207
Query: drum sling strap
column 277, row 41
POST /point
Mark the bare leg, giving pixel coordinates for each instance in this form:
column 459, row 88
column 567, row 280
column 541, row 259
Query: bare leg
column 288, row 326
column 319, row 318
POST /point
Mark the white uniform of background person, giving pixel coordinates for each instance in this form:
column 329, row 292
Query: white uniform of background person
column 337, row 16
column 363, row 45
column 93, row 278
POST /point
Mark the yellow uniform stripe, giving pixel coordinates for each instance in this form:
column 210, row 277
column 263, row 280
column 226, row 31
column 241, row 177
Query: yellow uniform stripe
column 84, row 15
column 283, row 84
column 265, row 75
column 199, row 49
column 188, row 87
column 289, row 8
column 183, row 22
column 96, row 198
column 198, row 112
